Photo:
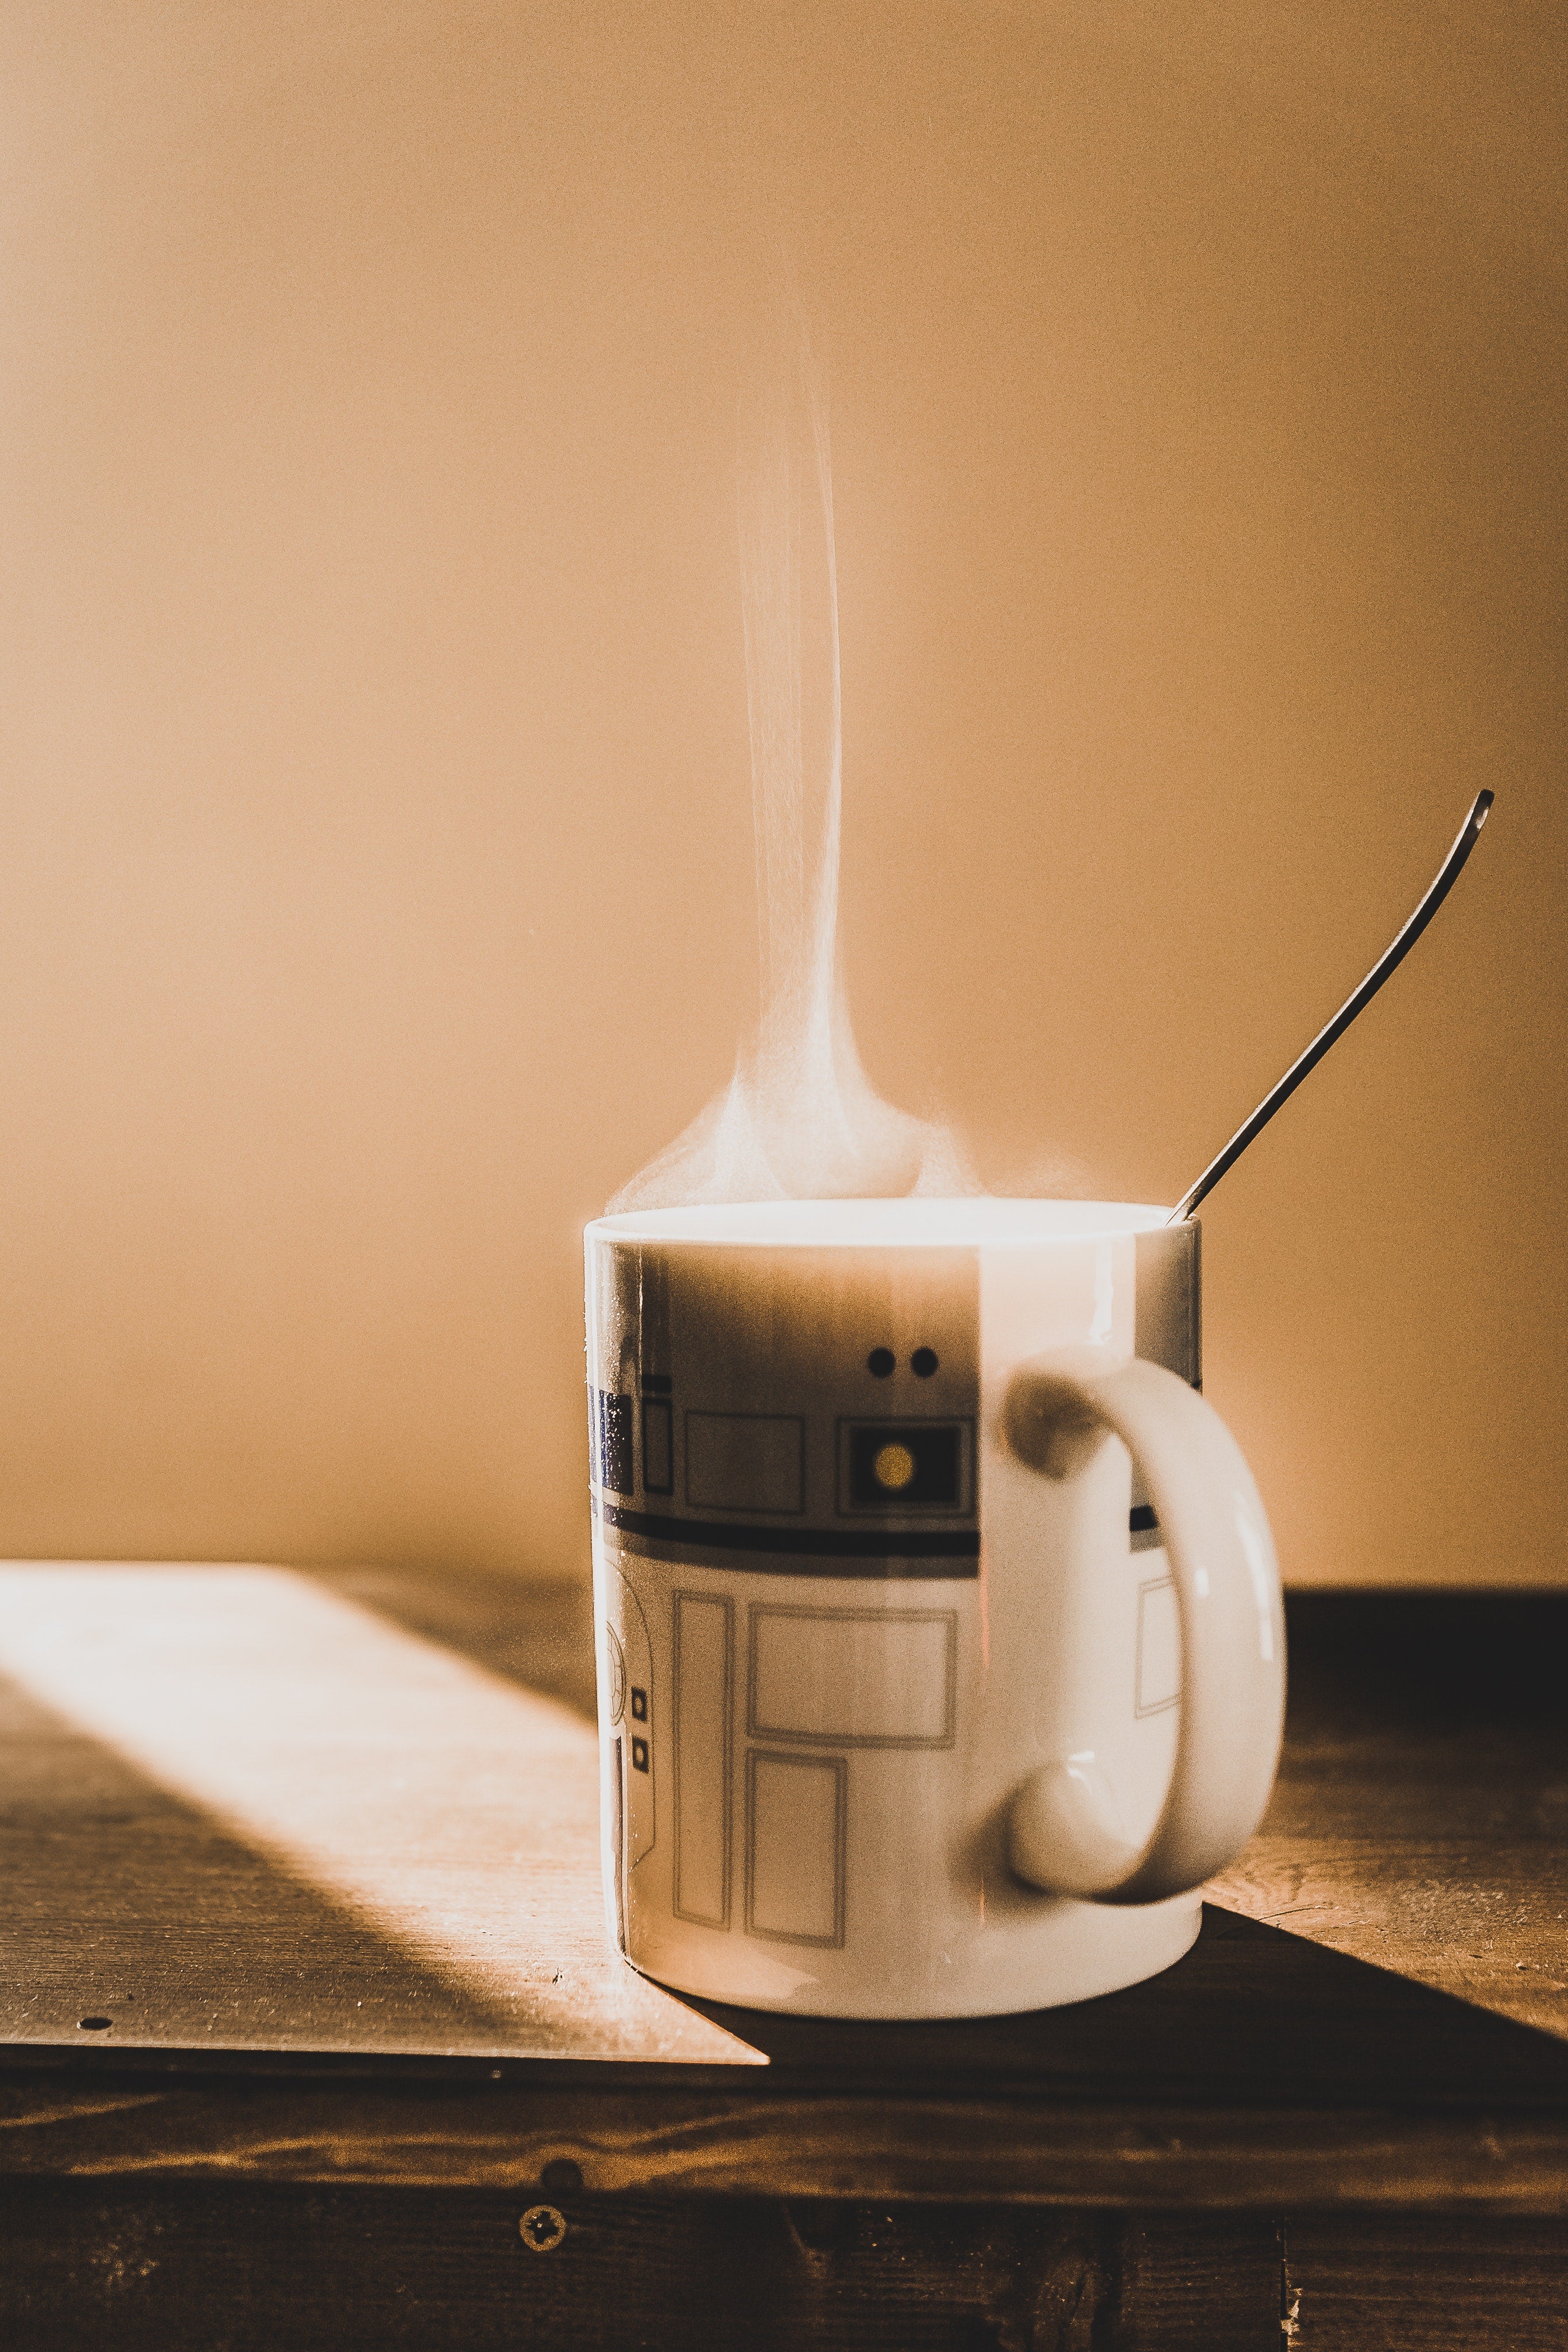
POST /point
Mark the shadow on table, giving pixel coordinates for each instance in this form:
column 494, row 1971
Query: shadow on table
column 1251, row 2014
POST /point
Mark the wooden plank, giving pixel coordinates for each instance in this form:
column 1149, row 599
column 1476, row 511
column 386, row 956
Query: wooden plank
column 143, row 2267
column 708, row 2144
column 320, row 1897
column 1488, row 1926
column 255, row 1814
column 353, row 2270
column 1415, row 2283
column 1420, row 1821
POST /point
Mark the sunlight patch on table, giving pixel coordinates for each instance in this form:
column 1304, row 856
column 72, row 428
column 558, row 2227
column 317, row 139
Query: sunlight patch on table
column 455, row 1812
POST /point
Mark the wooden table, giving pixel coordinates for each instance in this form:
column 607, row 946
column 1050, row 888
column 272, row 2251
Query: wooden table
column 308, row 2005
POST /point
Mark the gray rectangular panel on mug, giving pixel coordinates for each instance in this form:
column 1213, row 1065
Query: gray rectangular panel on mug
column 658, row 1447
column 1159, row 1648
column 745, row 1462
column 795, row 1837
column 704, row 1664
column 856, row 1678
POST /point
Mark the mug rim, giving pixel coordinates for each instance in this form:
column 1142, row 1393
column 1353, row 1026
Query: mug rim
column 971, row 1220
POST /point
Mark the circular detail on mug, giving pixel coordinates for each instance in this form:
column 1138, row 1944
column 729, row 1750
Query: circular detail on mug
column 893, row 1467
column 879, row 1362
column 923, row 1363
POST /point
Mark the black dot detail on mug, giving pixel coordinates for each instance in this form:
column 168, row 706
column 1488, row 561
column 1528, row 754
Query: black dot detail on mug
column 923, row 1363
column 879, row 1362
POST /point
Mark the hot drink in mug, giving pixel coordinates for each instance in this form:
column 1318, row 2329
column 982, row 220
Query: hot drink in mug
column 940, row 1646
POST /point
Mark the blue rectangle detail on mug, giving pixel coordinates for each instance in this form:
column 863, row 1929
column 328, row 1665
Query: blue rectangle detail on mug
column 614, row 1443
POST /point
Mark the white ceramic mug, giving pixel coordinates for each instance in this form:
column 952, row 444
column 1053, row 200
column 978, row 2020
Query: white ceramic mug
column 941, row 1652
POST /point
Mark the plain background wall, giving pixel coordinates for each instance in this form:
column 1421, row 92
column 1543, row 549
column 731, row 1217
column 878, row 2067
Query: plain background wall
column 375, row 862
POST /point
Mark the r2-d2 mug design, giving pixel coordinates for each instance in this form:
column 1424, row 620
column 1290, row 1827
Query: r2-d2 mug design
column 940, row 1643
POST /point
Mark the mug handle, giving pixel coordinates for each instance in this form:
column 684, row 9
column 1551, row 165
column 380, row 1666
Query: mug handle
column 1063, row 1832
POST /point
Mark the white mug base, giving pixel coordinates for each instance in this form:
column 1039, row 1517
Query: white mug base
column 1080, row 1951
column 748, row 1860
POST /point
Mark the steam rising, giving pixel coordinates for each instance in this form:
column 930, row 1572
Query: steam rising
column 799, row 1120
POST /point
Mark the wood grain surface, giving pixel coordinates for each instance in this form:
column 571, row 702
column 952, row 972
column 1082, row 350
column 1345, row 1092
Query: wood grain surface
column 364, row 1945
column 220, row 2267
column 1420, row 1819
column 961, row 2150
column 206, row 2266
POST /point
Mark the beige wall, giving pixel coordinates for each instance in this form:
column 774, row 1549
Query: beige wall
column 374, row 846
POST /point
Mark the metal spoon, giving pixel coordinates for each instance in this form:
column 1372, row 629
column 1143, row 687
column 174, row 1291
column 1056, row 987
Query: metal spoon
column 1353, row 1004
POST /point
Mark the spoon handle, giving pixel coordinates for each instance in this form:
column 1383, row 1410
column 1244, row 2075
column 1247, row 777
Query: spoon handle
column 1393, row 955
